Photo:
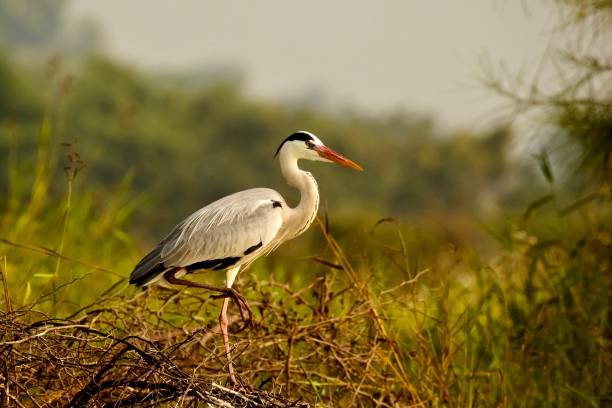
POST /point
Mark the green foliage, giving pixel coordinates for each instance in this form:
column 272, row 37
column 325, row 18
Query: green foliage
column 590, row 127
column 575, row 113
column 187, row 147
column 529, row 326
column 55, row 241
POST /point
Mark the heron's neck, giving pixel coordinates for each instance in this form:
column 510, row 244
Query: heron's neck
column 301, row 216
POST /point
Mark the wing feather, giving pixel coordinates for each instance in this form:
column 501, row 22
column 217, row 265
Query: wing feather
column 225, row 228
column 242, row 225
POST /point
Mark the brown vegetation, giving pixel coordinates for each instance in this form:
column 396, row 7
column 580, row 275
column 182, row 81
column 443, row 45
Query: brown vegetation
column 321, row 341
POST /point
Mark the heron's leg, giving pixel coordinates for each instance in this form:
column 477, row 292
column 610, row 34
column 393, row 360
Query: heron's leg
column 223, row 325
column 226, row 292
column 247, row 315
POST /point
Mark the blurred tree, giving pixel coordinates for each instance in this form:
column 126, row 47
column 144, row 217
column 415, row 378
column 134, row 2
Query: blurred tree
column 30, row 23
column 17, row 101
column 40, row 26
column 580, row 108
column 189, row 146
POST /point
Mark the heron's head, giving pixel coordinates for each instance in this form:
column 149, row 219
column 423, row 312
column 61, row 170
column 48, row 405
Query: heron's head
column 305, row 145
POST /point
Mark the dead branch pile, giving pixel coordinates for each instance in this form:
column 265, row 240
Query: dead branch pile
column 325, row 344
column 79, row 363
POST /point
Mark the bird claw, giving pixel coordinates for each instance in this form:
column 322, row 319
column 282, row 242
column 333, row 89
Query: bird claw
column 242, row 304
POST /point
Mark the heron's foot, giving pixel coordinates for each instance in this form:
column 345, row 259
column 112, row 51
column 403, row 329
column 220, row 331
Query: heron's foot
column 245, row 311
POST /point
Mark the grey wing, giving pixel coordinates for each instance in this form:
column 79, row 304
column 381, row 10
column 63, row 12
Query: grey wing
column 241, row 225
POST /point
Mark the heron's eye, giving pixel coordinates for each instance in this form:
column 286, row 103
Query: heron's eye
column 309, row 144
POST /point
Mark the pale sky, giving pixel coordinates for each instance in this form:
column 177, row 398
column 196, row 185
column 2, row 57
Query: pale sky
column 422, row 56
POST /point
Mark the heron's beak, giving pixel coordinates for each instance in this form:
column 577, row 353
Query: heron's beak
column 329, row 154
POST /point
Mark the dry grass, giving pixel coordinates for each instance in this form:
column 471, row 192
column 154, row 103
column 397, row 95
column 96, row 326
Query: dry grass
column 533, row 324
column 326, row 342
column 74, row 363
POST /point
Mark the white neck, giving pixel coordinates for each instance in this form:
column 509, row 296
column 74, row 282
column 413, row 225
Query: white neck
column 300, row 217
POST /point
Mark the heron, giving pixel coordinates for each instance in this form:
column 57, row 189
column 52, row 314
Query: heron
column 230, row 233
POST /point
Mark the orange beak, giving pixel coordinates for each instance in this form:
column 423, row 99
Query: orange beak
column 329, row 154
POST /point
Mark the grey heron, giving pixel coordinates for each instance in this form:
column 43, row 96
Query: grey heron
column 233, row 231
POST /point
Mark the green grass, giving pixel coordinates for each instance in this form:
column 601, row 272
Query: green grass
column 438, row 324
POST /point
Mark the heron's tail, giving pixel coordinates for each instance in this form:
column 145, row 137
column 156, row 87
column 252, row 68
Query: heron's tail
column 149, row 268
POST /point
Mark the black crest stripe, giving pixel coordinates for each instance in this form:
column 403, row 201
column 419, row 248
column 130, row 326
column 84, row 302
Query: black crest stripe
column 301, row 136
